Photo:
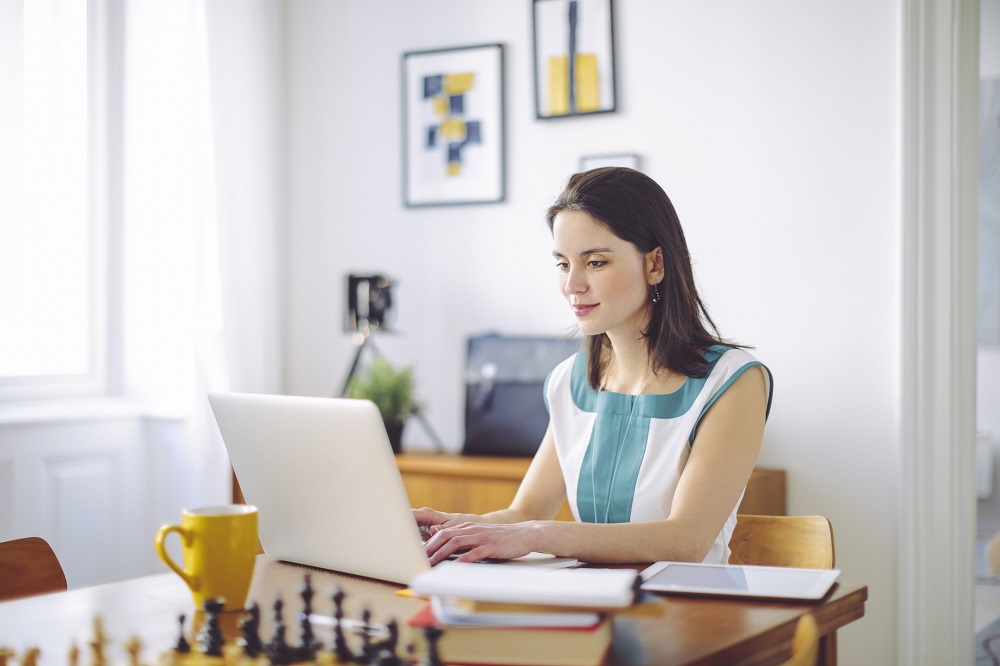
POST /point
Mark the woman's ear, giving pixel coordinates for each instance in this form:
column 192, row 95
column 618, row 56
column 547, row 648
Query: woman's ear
column 654, row 266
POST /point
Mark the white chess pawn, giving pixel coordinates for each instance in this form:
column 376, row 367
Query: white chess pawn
column 133, row 647
column 98, row 642
column 30, row 657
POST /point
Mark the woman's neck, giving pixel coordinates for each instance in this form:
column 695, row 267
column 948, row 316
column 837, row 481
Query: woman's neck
column 629, row 368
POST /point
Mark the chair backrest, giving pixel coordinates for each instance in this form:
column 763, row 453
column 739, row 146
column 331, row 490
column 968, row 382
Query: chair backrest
column 29, row 567
column 783, row 541
column 805, row 642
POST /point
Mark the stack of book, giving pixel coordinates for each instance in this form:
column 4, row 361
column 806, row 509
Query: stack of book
column 493, row 614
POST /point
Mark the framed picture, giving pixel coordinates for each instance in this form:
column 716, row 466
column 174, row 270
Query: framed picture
column 453, row 126
column 574, row 58
column 588, row 162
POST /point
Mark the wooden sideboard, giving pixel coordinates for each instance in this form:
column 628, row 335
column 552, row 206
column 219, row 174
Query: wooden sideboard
column 478, row 484
column 474, row 484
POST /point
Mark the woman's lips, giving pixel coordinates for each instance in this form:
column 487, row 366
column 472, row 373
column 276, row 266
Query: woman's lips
column 583, row 310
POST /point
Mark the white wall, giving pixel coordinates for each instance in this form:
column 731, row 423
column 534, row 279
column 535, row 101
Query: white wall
column 775, row 128
column 989, row 44
column 988, row 370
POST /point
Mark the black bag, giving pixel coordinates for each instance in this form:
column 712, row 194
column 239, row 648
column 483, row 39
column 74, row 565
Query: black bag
column 505, row 411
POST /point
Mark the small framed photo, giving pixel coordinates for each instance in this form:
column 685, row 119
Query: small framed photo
column 453, row 126
column 574, row 58
column 588, row 162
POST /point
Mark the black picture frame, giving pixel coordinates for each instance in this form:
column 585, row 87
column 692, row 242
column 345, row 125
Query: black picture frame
column 574, row 58
column 453, row 126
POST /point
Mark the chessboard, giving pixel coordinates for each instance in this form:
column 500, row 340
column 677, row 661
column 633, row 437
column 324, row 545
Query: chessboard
column 352, row 641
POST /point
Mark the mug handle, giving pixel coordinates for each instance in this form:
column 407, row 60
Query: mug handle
column 186, row 536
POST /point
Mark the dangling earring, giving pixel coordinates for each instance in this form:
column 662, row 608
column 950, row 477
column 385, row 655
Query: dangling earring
column 655, row 296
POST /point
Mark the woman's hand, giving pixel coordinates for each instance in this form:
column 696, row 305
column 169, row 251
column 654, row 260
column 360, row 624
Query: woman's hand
column 480, row 541
column 430, row 521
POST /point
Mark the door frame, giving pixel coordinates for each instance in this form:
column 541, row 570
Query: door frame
column 940, row 173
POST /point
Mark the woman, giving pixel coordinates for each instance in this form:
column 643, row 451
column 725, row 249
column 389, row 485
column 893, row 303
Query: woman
column 654, row 431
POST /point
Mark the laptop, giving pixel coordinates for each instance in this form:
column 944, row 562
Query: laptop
column 325, row 482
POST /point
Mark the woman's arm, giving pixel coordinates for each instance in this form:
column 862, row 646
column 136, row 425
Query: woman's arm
column 721, row 461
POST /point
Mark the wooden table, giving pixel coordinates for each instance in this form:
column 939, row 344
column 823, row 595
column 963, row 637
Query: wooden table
column 679, row 630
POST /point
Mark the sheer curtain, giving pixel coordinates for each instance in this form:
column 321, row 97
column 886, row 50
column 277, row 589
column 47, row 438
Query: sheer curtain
column 201, row 252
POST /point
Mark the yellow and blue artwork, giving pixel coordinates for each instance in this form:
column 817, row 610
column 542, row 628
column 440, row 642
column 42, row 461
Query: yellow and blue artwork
column 573, row 57
column 452, row 128
column 453, row 143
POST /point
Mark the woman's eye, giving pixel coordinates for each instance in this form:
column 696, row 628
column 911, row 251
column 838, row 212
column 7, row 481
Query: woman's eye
column 562, row 265
column 596, row 263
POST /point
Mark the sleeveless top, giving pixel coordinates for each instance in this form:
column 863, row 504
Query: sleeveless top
column 622, row 455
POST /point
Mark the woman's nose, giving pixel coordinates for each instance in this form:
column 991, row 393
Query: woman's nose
column 575, row 283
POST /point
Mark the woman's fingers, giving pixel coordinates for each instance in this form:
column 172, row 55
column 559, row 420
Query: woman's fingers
column 477, row 541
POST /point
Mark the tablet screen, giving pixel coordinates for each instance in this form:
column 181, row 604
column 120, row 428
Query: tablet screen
column 749, row 581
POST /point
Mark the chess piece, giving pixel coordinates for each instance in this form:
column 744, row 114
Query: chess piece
column 308, row 645
column 30, row 657
column 340, row 649
column 385, row 653
column 250, row 639
column 98, row 642
column 133, row 647
column 366, row 636
column 433, row 635
column 277, row 649
column 73, row 657
column 5, row 654
column 210, row 638
column 182, row 646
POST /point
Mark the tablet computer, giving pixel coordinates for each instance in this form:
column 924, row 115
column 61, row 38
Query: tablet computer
column 739, row 581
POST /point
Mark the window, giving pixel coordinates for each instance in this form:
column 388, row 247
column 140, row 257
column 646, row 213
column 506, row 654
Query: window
column 53, row 225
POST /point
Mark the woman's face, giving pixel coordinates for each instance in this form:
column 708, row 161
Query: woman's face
column 603, row 277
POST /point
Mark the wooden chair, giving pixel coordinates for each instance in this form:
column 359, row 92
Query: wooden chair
column 783, row 541
column 805, row 643
column 29, row 567
column 790, row 541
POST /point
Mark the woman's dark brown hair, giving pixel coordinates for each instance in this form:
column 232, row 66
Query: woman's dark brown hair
column 636, row 209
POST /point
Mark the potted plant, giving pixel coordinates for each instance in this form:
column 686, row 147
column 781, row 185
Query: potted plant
column 391, row 389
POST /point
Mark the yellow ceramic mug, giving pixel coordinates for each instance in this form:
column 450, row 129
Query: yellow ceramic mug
column 220, row 546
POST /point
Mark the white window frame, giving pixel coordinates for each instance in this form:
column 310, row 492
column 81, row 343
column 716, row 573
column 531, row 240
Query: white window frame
column 103, row 378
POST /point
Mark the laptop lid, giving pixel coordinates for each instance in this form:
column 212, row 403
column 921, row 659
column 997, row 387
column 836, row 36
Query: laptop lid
column 325, row 482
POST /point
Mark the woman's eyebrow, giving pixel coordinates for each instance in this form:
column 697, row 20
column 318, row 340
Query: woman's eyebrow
column 593, row 250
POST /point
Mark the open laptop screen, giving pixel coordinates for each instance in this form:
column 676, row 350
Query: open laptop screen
column 325, row 481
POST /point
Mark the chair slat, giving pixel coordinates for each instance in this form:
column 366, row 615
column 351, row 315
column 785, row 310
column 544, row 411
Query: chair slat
column 783, row 541
column 28, row 567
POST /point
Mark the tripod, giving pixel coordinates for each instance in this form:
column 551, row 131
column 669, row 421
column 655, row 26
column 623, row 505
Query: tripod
column 368, row 343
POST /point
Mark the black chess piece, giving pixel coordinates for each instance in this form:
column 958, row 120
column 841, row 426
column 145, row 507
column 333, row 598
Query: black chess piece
column 340, row 648
column 250, row 639
column 385, row 654
column 433, row 635
column 308, row 645
column 182, row 646
column 367, row 651
column 277, row 649
column 210, row 638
